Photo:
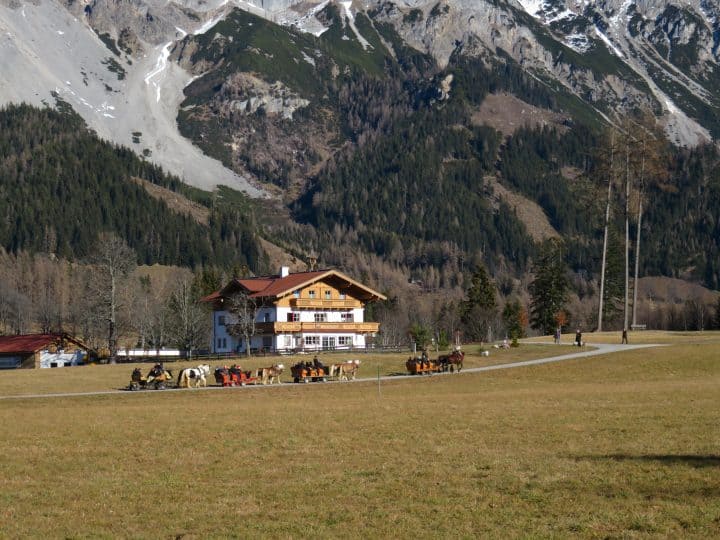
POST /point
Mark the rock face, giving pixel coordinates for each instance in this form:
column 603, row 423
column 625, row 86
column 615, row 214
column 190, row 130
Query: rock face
column 659, row 54
column 111, row 59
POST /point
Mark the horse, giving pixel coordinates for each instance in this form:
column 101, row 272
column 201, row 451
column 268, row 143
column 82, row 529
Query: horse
column 452, row 361
column 268, row 374
column 197, row 374
column 347, row 370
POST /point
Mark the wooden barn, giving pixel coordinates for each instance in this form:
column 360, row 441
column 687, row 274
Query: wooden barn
column 41, row 351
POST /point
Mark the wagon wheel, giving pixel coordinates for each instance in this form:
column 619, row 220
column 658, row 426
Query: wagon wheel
column 160, row 385
column 306, row 380
column 296, row 379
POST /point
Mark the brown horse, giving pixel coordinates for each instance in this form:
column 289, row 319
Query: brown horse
column 268, row 374
column 453, row 361
column 348, row 370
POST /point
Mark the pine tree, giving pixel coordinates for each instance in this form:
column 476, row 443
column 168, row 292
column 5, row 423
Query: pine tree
column 550, row 287
column 480, row 308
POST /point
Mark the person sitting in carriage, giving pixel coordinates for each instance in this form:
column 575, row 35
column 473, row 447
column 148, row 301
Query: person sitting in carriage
column 235, row 369
column 156, row 371
column 424, row 360
column 317, row 364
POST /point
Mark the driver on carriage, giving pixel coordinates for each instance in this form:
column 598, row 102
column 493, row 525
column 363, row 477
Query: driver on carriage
column 424, row 361
column 317, row 364
column 156, row 371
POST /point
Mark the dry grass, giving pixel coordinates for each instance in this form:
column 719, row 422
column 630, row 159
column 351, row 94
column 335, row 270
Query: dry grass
column 97, row 378
column 619, row 446
column 640, row 336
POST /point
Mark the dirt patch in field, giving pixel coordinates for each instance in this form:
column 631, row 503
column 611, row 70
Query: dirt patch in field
column 529, row 212
column 507, row 114
column 175, row 201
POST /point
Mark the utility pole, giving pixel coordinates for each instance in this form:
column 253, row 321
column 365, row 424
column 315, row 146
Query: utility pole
column 605, row 239
column 627, row 234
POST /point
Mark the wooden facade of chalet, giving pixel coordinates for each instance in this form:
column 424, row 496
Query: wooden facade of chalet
column 303, row 311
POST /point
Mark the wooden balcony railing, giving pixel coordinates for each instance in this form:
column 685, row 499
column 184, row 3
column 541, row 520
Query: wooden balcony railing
column 319, row 303
column 304, row 327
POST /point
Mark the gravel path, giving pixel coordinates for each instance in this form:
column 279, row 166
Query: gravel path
column 598, row 349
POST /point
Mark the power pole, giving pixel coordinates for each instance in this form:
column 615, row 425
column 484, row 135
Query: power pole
column 627, row 234
column 605, row 239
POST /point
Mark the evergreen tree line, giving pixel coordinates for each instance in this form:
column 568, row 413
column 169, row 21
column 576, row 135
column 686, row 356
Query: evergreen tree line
column 61, row 185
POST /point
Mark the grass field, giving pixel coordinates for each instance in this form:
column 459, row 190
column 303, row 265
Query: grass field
column 617, row 446
column 113, row 377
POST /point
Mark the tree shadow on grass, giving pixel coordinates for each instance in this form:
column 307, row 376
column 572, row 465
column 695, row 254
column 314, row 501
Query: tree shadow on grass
column 693, row 460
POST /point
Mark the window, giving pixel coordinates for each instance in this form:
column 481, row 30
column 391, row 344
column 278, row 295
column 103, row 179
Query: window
column 221, row 320
column 296, row 294
column 287, row 341
column 267, row 342
column 312, row 341
column 293, row 316
column 266, row 317
column 328, row 295
column 328, row 342
column 311, row 294
column 219, row 343
column 347, row 317
column 320, row 317
column 342, row 296
column 345, row 340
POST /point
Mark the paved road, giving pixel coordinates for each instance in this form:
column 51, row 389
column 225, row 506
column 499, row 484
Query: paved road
column 597, row 349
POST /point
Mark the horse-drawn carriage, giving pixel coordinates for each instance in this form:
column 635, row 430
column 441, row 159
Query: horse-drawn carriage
column 446, row 362
column 317, row 372
column 419, row 365
column 308, row 372
column 157, row 378
column 234, row 376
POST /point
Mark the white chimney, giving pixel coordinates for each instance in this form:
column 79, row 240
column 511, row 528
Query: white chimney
column 284, row 271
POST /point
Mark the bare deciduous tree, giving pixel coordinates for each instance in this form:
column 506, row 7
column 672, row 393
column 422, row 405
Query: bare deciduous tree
column 242, row 309
column 188, row 322
column 113, row 261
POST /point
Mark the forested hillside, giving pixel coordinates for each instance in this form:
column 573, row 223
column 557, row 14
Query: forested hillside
column 61, row 186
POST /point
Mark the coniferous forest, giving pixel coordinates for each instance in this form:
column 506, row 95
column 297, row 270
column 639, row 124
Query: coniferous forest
column 407, row 200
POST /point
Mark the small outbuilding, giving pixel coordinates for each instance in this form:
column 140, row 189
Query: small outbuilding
column 41, row 351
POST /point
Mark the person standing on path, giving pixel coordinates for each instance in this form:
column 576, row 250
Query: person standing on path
column 578, row 338
column 624, row 337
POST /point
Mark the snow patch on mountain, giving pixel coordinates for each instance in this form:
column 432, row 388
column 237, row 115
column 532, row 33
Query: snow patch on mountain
column 116, row 98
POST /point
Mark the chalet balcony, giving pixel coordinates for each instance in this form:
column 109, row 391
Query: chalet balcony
column 305, row 327
column 317, row 303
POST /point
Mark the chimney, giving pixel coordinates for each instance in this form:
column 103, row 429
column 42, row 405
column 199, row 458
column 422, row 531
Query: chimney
column 284, row 271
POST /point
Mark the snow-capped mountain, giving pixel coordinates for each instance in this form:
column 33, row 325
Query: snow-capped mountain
column 117, row 64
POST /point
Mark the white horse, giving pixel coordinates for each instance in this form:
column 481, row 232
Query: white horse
column 198, row 374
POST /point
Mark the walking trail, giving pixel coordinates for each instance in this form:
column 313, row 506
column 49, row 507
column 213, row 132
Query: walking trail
column 597, row 349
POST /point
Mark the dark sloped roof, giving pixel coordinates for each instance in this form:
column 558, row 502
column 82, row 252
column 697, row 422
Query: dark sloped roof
column 276, row 286
column 26, row 344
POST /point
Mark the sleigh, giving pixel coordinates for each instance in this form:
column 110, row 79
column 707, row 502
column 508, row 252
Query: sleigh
column 418, row 366
column 234, row 376
column 305, row 374
column 153, row 381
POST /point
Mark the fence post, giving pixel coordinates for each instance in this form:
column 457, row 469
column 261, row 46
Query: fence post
column 379, row 391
